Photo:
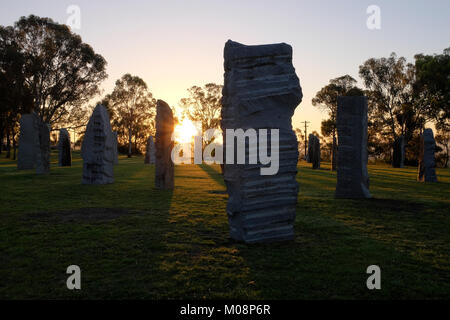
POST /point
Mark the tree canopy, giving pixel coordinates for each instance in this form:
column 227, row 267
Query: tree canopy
column 204, row 105
column 132, row 109
column 60, row 72
column 433, row 86
column 390, row 91
column 326, row 99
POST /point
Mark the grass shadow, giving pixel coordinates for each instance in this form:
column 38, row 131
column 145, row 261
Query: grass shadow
column 213, row 173
column 113, row 232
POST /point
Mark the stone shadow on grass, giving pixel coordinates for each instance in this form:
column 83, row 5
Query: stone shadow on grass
column 118, row 250
column 83, row 215
column 383, row 205
column 328, row 260
column 216, row 176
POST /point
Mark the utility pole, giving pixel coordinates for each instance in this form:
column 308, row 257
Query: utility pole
column 306, row 134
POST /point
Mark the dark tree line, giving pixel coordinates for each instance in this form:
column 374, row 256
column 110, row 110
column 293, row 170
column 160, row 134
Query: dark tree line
column 403, row 97
column 203, row 105
column 47, row 69
column 132, row 110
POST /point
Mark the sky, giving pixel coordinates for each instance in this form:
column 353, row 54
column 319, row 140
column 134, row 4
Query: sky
column 174, row 45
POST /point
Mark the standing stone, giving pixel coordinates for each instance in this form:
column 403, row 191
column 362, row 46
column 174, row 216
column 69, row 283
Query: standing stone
column 43, row 154
column 115, row 148
column 352, row 174
column 34, row 144
column 64, row 149
column 150, row 151
column 261, row 91
column 334, row 154
column 309, row 155
column 399, row 152
column 98, row 149
column 28, row 142
column 427, row 163
column 164, row 169
column 315, row 154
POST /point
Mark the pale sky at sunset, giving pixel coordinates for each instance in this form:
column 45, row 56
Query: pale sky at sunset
column 173, row 45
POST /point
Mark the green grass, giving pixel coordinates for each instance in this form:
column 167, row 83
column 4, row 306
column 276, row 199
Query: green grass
column 133, row 241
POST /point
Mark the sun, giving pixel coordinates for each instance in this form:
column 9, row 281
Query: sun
column 185, row 131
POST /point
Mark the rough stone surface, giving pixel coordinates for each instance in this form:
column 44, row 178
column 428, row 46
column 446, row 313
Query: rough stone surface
column 98, row 149
column 64, row 149
column 309, row 155
column 164, row 169
column 399, row 152
column 261, row 91
column 115, row 148
column 34, row 144
column 352, row 174
column 315, row 151
column 28, row 142
column 427, row 162
column 150, row 151
column 43, row 152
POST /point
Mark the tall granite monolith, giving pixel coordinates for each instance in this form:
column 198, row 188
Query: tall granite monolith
column 29, row 143
column 311, row 140
column 315, row 152
column 97, row 150
column 150, row 151
column 261, row 91
column 352, row 174
column 43, row 154
column 398, row 153
column 64, row 149
column 34, row 144
column 427, row 163
column 164, row 167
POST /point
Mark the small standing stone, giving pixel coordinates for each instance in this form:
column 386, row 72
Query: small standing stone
column 309, row 155
column 28, row 142
column 315, row 152
column 98, row 149
column 399, row 152
column 427, row 162
column 352, row 174
column 164, row 170
column 43, row 155
column 34, row 144
column 64, row 149
column 150, row 151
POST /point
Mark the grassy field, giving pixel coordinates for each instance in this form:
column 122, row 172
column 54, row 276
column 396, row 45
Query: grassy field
column 133, row 241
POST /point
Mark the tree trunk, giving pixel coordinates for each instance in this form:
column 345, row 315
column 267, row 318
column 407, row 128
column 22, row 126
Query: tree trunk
column 334, row 152
column 14, row 144
column 129, row 142
column 1, row 139
column 446, row 156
